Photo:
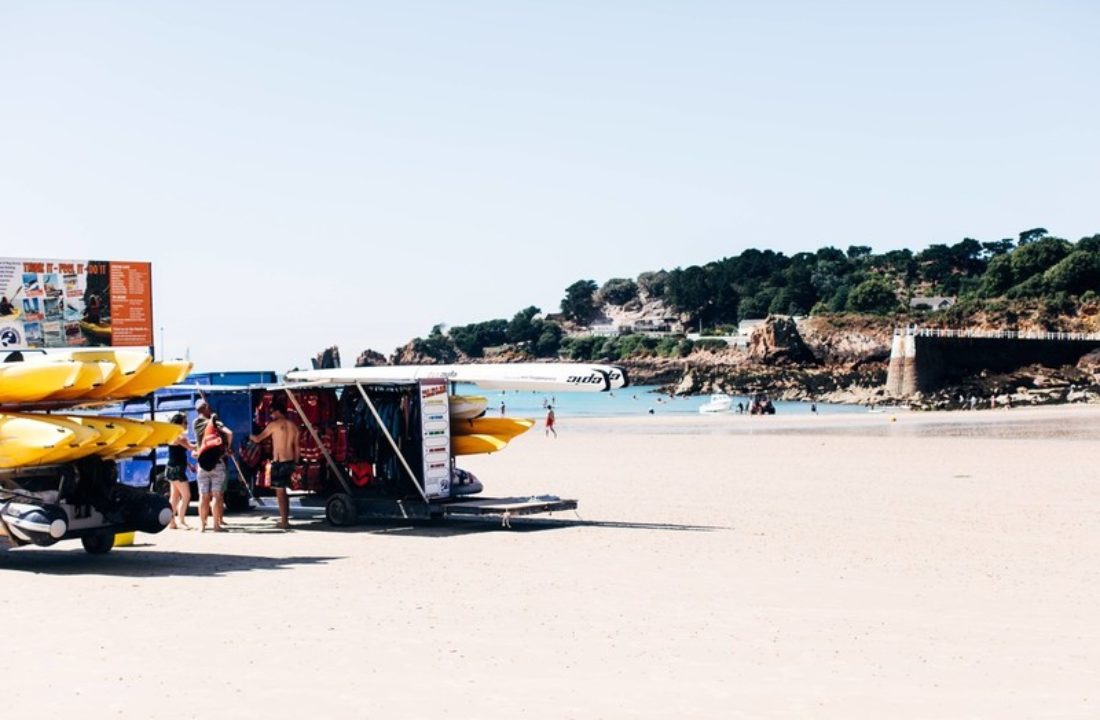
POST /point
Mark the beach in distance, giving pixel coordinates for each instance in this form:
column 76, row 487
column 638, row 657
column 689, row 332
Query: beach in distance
column 858, row 565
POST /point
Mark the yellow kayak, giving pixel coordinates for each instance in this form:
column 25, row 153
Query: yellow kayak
column 96, row 331
column 22, row 382
column 503, row 427
column 135, row 433
column 476, row 444
column 24, row 440
column 107, row 431
column 153, row 377
column 162, row 434
column 82, row 437
column 465, row 407
column 129, row 362
column 93, row 373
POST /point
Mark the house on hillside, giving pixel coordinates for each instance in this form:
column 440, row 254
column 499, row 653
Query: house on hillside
column 932, row 302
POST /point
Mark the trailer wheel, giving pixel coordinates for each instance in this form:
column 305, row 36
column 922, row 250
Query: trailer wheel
column 98, row 543
column 340, row 510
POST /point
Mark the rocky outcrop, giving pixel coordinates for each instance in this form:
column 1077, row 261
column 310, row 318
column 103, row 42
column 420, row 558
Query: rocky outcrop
column 1033, row 385
column 326, row 359
column 370, row 358
column 778, row 341
column 847, row 340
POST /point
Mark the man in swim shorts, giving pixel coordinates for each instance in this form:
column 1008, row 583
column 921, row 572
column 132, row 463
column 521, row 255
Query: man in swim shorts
column 284, row 445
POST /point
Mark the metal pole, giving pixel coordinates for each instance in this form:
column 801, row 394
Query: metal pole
column 393, row 444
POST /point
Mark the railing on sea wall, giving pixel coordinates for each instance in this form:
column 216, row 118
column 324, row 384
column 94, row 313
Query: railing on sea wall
column 995, row 334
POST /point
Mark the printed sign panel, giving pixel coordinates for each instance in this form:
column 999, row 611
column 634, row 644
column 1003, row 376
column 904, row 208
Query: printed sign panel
column 436, row 429
column 75, row 303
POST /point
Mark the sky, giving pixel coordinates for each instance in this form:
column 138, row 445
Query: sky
column 307, row 174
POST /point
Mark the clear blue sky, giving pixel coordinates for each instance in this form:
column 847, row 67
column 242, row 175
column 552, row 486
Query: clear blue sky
column 354, row 173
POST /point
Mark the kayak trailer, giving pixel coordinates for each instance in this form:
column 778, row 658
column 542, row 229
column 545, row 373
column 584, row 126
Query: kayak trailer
column 379, row 450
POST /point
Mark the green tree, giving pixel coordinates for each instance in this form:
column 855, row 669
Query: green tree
column 522, row 327
column 1077, row 273
column 548, row 343
column 579, row 303
column 653, row 284
column 873, row 296
column 618, row 291
column 436, row 346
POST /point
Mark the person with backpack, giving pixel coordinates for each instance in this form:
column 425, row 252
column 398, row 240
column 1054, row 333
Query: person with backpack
column 213, row 441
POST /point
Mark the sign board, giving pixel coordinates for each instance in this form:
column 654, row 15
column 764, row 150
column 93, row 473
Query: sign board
column 436, row 429
column 75, row 303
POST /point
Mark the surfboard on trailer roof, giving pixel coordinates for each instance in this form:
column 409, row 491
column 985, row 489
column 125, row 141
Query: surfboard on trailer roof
column 544, row 377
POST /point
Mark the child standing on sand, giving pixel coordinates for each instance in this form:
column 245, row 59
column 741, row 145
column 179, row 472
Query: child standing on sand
column 550, row 422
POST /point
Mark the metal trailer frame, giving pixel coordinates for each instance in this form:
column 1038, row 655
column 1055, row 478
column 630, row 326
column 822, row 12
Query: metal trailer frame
column 346, row 508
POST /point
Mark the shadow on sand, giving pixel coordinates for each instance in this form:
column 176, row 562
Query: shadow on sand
column 452, row 527
column 138, row 562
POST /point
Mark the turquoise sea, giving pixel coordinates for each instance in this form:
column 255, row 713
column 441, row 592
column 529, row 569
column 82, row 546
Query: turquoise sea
column 637, row 400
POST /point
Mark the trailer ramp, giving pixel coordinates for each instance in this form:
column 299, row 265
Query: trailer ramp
column 507, row 508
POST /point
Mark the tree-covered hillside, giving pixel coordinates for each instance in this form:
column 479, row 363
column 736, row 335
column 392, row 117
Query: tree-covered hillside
column 1033, row 267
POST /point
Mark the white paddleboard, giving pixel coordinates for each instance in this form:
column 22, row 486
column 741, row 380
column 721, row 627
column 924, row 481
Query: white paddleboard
column 544, row 377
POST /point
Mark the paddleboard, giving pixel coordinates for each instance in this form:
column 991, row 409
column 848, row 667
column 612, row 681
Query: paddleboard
column 476, row 444
column 503, row 427
column 544, row 377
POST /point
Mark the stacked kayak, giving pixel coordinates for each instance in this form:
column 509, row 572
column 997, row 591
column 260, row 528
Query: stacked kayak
column 78, row 377
column 484, row 434
column 57, row 477
column 467, row 407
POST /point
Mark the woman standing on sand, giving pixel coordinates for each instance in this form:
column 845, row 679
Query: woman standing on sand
column 175, row 472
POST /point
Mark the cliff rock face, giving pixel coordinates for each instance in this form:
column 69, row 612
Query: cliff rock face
column 370, row 358
column 778, row 341
column 327, row 359
column 848, row 340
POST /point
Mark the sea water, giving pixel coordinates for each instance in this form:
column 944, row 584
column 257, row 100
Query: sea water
column 630, row 401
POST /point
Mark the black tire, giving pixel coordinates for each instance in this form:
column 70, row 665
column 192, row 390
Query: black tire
column 340, row 510
column 98, row 543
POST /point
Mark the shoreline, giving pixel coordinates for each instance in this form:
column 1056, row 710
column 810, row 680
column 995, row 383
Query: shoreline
column 745, row 423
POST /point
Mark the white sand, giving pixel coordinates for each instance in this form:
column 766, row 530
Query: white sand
column 716, row 575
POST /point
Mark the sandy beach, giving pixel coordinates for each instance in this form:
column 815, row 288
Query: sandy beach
column 879, row 566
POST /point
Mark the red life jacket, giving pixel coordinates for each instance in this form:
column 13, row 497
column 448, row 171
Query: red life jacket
column 211, row 445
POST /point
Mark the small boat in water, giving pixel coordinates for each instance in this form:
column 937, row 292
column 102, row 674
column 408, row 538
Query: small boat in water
column 719, row 403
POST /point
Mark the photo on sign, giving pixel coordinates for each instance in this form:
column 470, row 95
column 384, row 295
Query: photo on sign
column 51, row 284
column 73, row 335
column 53, row 308
column 32, row 332
column 31, row 286
column 32, row 309
column 72, row 286
column 51, row 334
